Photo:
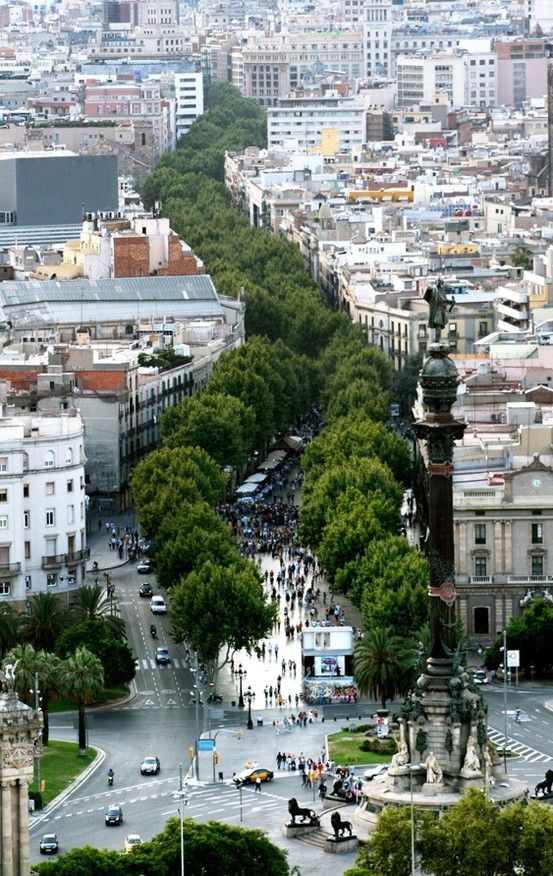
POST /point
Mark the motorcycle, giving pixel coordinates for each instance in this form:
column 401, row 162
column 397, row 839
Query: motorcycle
column 111, row 776
column 153, row 631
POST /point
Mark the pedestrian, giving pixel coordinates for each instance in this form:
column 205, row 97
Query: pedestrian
column 258, row 784
column 276, row 644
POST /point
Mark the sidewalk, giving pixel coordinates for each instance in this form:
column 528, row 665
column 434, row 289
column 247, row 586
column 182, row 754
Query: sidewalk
column 98, row 542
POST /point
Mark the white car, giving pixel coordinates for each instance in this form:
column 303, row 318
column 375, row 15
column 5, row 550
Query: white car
column 378, row 769
column 158, row 605
column 480, row 676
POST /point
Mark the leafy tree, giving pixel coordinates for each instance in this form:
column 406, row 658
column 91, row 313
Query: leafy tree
column 362, row 397
column 220, row 424
column 48, row 667
column 218, row 609
column 44, row 621
column 383, row 665
column 92, row 603
column 530, row 633
column 9, row 627
column 320, row 494
column 389, row 851
column 406, row 382
column 210, row 847
column 356, row 520
column 82, row 681
column 522, row 257
column 354, row 437
column 98, row 637
column 252, row 390
column 185, row 541
column 170, row 477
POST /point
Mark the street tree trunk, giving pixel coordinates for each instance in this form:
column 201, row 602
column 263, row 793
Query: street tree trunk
column 82, row 732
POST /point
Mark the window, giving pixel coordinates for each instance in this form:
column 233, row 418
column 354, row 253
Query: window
column 3, row 522
column 69, row 486
column 50, row 488
column 25, row 491
column 28, row 582
column 480, row 567
column 51, row 579
column 27, row 519
column 3, row 463
column 480, row 533
column 50, row 517
column 27, row 550
column 71, row 514
column 3, row 495
column 25, row 462
column 537, row 534
column 69, row 456
column 481, row 621
column 537, row 566
column 5, row 588
column 49, row 459
column 482, row 329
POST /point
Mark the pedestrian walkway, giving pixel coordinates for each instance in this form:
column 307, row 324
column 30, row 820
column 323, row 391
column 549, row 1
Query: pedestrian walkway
column 99, row 539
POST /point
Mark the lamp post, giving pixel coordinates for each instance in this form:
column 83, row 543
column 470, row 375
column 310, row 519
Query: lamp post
column 182, row 795
column 240, row 673
column 412, row 768
column 249, row 696
column 36, row 692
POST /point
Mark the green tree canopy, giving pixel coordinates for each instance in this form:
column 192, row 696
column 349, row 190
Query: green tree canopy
column 361, row 397
column 218, row 423
column 253, row 391
column 9, row 627
column 170, row 477
column 44, row 621
column 321, row 494
column 217, row 609
column 82, row 681
column 188, row 539
column 389, row 851
column 354, row 437
column 383, row 665
column 114, row 654
column 530, row 633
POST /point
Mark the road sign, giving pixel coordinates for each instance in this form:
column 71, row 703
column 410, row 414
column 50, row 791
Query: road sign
column 513, row 659
column 206, row 744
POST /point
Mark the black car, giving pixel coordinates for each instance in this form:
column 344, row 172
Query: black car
column 146, row 590
column 49, row 844
column 114, row 815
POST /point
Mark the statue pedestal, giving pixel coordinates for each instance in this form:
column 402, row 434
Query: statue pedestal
column 340, row 845
column 432, row 789
column 294, row 830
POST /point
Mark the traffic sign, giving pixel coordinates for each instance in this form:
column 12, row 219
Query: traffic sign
column 513, row 659
column 206, row 745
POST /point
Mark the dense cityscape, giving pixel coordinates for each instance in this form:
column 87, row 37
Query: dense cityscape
column 276, row 300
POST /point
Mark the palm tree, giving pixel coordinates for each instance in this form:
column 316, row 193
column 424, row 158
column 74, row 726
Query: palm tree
column 9, row 627
column 45, row 621
column 91, row 603
column 83, row 679
column 48, row 668
column 383, row 665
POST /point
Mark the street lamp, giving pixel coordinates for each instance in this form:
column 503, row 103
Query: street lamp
column 249, row 696
column 413, row 767
column 36, row 692
column 182, row 795
column 240, row 673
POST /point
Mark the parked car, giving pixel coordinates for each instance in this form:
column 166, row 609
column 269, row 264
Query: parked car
column 250, row 776
column 480, row 676
column 131, row 841
column 162, row 656
column 144, row 567
column 150, row 766
column 378, row 769
column 114, row 815
column 146, row 590
column 49, row 844
column 158, row 605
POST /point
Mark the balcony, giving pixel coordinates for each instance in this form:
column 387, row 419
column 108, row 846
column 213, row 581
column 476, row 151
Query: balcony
column 481, row 579
column 76, row 557
column 9, row 570
column 55, row 561
column 528, row 580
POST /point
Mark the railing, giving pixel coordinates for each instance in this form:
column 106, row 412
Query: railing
column 77, row 556
column 481, row 579
column 530, row 579
column 7, row 569
column 53, row 562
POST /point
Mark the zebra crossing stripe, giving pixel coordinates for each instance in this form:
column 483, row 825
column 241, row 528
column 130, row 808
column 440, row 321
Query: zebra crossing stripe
column 530, row 755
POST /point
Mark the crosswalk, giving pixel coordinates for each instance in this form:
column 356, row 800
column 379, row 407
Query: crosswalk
column 530, row 755
column 150, row 663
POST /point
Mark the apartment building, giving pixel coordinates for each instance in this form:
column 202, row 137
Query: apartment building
column 325, row 123
column 375, row 19
column 189, row 101
column 521, row 70
column 422, row 79
column 42, row 504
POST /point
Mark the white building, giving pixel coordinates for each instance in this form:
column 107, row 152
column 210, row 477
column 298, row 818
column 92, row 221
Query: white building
column 42, row 504
column 481, row 79
column 422, row 79
column 377, row 37
column 189, row 100
column 539, row 13
column 327, row 123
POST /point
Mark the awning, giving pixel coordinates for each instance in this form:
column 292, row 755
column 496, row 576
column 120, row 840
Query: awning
column 294, row 442
column 257, row 478
column 246, row 489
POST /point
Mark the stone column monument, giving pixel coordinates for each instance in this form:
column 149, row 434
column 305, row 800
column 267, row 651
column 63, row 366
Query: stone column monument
column 20, row 732
column 443, row 746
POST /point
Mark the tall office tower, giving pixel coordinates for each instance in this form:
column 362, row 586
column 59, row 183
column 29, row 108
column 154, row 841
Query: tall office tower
column 376, row 19
column 158, row 12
